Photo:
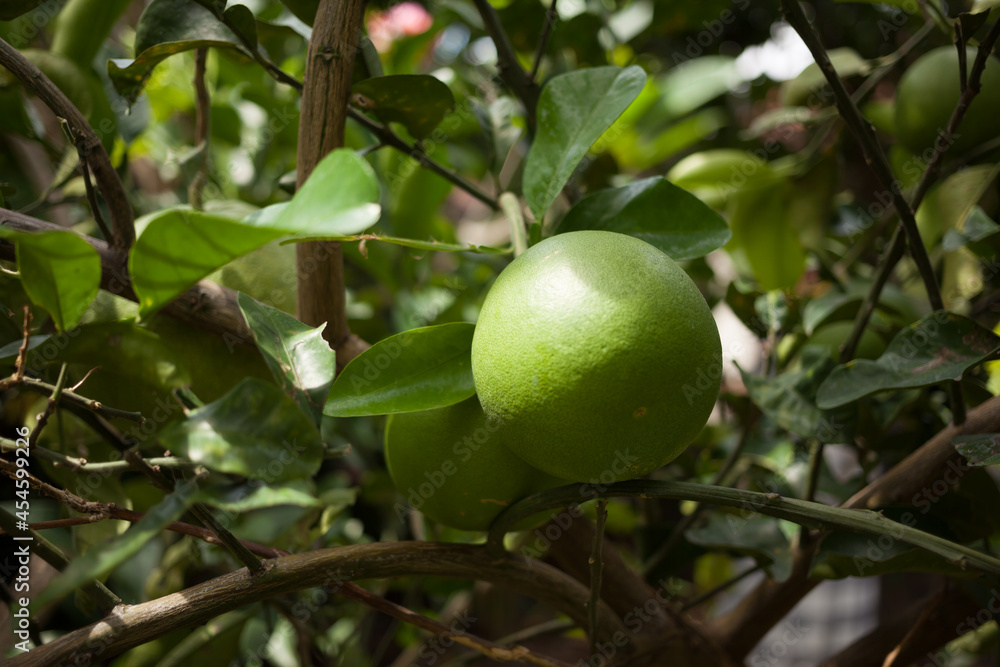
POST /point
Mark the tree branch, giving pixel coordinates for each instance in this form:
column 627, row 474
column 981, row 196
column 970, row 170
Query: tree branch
column 507, row 64
column 131, row 625
column 325, row 94
column 741, row 630
column 89, row 145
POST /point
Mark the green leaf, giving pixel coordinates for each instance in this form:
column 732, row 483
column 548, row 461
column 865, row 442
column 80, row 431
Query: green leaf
column 761, row 228
column 338, row 199
column 420, row 369
column 60, row 272
column 982, row 449
column 241, row 20
column 759, row 537
column 256, row 430
column 797, row 92
column 299, row 357
column 790, row 398
column 976, row 227
column 938, row 348
column 418, row 102
column 180, row 247
column 842, row 554
column 165, row 28
column 573, row 112
column 252, row 495
column 656, row 211
column 98, row 562
column 694, row 83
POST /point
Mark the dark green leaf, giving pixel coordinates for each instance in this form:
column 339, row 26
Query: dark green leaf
column 241, row 20
column 179, row 247
column 842, row 554
column 60, row 272
column 416, row 370
column 299, row 357
column 256, row 430
column 98, row 562
column 338, row 199
column 656, row 211
column 419, row 102
column 982, row 449
column 759, row 537
column 168, row 27
column 790, row 398
column 761, row 228
column 574, row 110
column 940, row 347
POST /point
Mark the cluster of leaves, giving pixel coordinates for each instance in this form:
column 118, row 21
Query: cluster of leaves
column 686, row 152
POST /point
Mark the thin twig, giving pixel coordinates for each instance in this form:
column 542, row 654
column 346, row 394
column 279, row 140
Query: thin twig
column 21, row 363
column 88, row 143
column 864, row 132
column 50, row 406
column 596, row 570
column 551, row 16
column 507, row 64
column 557, row 626
column 201, row 129
column 94, row 590
column 95, row 206
column 387, row 137
column 203, row 514
column 69, row 396
column 82, row 465
column 712, row 592
column 487, row 648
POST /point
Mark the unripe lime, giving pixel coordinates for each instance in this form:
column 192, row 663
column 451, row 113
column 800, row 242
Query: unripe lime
column 927, row 95
column 450, row 464
column 596, row 356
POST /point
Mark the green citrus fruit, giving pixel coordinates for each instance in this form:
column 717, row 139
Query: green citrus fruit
column 927, row 95
column 596, row 356
column 451, row 465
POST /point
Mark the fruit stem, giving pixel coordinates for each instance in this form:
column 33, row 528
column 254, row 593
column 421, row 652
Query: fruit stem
column 511, row 207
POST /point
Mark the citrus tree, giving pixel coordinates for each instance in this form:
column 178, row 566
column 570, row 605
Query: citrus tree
column 304, row 294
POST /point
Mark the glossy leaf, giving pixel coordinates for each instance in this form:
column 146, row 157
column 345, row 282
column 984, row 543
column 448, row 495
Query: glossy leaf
column 256, row 430
column 299, row 357
column 982, row 449
column 800, row 90
column 165, row 28
column 252, row 495
column 790, row 398
column 179, row 247
column 416, row 370
column 241, row 20
column 418, row 102
column 60, row 272
column 573, row 112
column 694, row 83
column 338, row 199
column 940, row 347
column 656, row 211
column 98, row 562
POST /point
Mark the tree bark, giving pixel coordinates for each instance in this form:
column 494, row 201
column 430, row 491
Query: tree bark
column 325, row 95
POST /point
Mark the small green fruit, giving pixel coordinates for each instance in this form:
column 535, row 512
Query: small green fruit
column 928, row 93
column 596, row 356
column 450, row 464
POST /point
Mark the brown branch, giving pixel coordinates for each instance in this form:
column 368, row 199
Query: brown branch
column 325, row 94
column 203, row 117
column 89, row 145
column 132, row 625
column 509, row 68
column 68, row 396
column 913, row 477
